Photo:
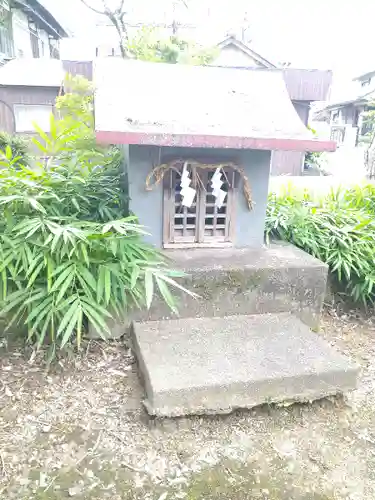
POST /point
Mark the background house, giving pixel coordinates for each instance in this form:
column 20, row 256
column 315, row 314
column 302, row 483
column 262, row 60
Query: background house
column 346, row 115
column 28, row 29
column 28, row 90
column 304, row 87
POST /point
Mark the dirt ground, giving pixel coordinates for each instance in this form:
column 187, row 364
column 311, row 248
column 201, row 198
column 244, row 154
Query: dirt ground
column 79, row 431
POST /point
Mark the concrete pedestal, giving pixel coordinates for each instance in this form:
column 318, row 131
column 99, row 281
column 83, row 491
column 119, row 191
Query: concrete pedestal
column 235, row 281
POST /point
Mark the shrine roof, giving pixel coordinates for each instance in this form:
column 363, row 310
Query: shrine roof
column 197, row 106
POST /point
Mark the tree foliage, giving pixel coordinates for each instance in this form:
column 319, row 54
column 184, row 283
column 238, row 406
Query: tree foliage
column 75, row 106
column 149, row 45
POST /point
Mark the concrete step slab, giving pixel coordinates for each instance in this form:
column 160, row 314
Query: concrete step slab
column 217, row 365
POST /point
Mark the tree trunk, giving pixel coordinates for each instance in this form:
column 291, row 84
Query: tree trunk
column 122, row 33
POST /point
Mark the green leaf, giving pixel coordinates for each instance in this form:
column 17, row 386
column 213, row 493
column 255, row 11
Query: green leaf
column 175, row 284
column 16, row 317
column 4, row 280
column 42, row 134
column 67, row 283
column 48, row 320
column 50, row 266
column 41, row 308
column 100, row 284
column 75, row 203
column 86, row 289
column 166, row 294
column 85, row 254
column 61, row 268
column 6, row 261
column 149, row 287
column 56, row 240
column 67, row 274
column 71, row 320
column 134, row 276
column 102, row 311
column 35, row 274
column 71, row 311
column 39, row 145
column 96, row 315
column 13, row 300
column 107, row 284
column 38, row 295
column 36, row 205
column 79, row 327
column 88, row 277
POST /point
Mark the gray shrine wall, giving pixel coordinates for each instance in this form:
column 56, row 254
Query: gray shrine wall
column 148, row 205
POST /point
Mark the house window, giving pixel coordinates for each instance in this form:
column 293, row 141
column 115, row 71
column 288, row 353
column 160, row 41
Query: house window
column 6, row 36
column 34, row 39
column 203, row 223
column 26, row 114
column 54, row 48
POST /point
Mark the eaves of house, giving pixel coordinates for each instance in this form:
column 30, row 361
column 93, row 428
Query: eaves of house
column 243, row 47
column 42, row 16
column 361, row 99
column 364, row 76
column 40, row 72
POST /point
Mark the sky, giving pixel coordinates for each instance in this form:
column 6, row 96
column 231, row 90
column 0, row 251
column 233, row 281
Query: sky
column 324, row 34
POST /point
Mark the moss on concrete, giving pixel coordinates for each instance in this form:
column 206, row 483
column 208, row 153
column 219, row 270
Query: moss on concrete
column 238, row 282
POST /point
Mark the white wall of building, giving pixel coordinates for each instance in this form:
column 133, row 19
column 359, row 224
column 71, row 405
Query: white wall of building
column 101, row 41
column 107, row 41
column 233, row 56
column 77, row 48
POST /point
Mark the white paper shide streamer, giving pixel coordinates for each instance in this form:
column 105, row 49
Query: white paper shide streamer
column 216, row 184
column 187, row 192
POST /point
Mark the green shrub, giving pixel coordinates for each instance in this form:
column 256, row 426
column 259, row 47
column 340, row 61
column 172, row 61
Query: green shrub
column 362, row 197
column 339, row 229
column 18, row 145
column 69, row 253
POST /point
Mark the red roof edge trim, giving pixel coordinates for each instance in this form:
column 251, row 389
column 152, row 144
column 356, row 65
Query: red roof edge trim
column 213, row 141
